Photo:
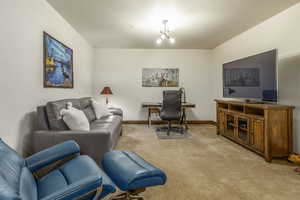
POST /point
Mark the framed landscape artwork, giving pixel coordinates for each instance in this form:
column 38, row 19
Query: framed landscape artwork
column 58, row 64
column 160, row 77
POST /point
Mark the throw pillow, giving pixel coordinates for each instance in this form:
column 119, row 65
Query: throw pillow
column 100, row 109
column 89, row 113
column 75, row 119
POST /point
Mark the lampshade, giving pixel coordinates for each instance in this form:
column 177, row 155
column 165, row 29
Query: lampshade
column 106, row 90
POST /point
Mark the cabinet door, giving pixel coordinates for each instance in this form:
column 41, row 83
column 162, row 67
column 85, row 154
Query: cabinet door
column 257, row 136
column 230, row 125
column 221, row 124
column 243, row 130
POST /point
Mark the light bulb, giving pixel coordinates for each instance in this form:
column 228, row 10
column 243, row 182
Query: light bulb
column 163, row 36
column 158, row 41
column 172, row 40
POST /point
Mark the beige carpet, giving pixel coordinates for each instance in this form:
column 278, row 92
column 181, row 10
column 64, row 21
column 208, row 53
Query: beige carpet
column 210, row 167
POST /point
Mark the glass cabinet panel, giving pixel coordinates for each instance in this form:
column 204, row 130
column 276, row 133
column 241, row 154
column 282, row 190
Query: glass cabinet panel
column 243, row 130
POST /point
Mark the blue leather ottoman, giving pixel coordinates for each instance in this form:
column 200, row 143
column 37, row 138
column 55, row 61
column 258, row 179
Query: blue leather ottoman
column 131, row 173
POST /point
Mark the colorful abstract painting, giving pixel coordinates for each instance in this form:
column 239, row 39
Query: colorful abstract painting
column 160, row 77
column 58, row 64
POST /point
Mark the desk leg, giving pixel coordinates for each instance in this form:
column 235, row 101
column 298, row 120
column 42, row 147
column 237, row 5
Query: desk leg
column 183, row 119
column 149, row 116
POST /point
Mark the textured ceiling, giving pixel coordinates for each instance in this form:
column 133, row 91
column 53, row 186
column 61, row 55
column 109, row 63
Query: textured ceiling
column 195, row 24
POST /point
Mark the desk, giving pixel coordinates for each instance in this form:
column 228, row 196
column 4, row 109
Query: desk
column 151, row 105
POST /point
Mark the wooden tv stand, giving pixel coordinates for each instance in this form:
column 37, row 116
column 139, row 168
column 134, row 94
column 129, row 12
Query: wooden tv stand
column 266, row 129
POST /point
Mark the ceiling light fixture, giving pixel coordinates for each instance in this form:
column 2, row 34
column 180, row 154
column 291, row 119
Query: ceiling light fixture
column 164, row 34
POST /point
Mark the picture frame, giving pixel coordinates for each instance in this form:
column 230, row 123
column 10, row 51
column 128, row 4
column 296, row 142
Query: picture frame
column 58, row 63
column 160, row 77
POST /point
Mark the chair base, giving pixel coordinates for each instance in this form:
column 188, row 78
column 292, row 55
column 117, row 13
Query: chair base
column 126, row 195
column 171, row 129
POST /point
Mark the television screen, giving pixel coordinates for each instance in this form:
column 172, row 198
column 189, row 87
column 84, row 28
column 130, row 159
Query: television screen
column 254, row 77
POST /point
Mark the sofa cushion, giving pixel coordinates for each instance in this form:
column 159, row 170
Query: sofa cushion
column 85, row 102
column 106, row 122
column 89, row 113
column 110, row 124
column 53, row 112
column 87, row 108
column 42, row 119
column 51, row 183
column 80, row 171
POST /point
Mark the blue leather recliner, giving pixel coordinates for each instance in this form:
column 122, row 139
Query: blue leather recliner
column 60, row 172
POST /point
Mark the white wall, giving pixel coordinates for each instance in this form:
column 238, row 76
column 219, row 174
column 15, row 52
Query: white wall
column 122, row 71
column 21, row 57
column 282, row 32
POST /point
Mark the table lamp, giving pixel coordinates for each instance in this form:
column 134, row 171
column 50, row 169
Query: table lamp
column 106, row 91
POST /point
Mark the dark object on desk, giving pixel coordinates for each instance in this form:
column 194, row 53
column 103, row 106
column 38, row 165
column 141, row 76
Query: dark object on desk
column 171, row 107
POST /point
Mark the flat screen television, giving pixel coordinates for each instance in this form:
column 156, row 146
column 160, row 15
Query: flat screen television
column 254, row 77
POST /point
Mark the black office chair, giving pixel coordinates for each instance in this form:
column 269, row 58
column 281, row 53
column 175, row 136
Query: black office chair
column 171, row 108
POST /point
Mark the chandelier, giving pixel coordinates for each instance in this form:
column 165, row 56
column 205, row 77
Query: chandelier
column 164, row 34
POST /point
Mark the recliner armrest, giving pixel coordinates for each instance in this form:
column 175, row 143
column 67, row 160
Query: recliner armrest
column 75, row 191
column 52, row 154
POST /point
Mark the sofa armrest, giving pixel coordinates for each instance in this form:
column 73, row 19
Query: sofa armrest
column 52, row 154
column 116, row 111
column 92, row 143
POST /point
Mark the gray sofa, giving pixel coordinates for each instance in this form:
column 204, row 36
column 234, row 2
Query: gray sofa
column 102, row 137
